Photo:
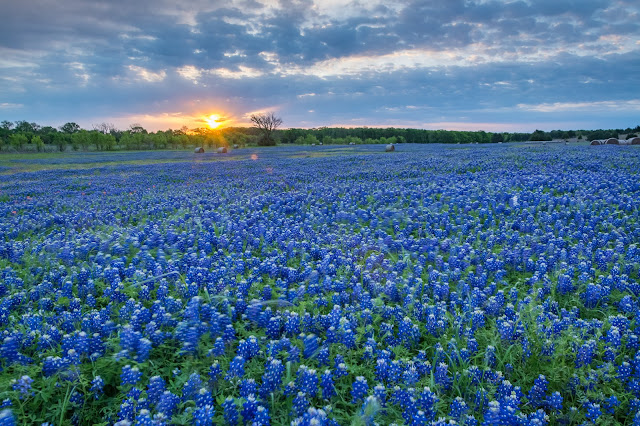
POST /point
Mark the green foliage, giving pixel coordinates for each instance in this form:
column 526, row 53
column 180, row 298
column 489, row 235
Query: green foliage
column 266, row 141
column 105, row 137
column 540, row 135
column 81, row 140
column 60, row 140
column 18, row 140
column 70, row 128
column 308, row 139
column 37, row 141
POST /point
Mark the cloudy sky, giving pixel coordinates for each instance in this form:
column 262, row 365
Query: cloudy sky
column 455, row 64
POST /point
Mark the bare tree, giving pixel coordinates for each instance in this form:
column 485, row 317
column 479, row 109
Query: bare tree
column 105, row 128
column 137, row 128
column 266, row 123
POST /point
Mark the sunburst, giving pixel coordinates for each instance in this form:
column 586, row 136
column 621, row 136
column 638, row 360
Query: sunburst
column 214, row 121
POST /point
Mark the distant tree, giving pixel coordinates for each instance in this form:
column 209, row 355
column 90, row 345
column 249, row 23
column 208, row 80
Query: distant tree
column 183, row 140
column 6, row 125
column 81, row 140
column 46, row 132
column 26, row 127
column 497, row 137
column 159, row 140
column 105, row 128
column 37, row 141
column 18, row 140
column 181, row 131
column 137, row 128
column 70, row 128
column 602, row 134
column 309, row 139
column 266, row 125
column 108, row 142
column 60, row 140
column 291, row 135
column 540, row 135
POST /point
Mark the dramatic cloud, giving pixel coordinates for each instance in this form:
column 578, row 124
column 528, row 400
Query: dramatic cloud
column 422, row 63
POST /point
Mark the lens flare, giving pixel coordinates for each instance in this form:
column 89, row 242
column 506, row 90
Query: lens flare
column 214, row 121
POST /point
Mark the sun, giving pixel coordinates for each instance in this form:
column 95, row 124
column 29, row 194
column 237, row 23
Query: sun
column 214, row 120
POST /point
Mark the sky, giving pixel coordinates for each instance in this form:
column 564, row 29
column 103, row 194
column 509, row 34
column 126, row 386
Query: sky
column 434, row 64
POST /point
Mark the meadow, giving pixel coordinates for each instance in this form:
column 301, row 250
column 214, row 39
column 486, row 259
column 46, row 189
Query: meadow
column 491, row 284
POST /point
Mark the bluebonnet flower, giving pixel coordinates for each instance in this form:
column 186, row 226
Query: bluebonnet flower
column 97, row 386
column 610, row 404
column 490, row 356
column 203, row 415
column 538, row 391
column 249, row 408
column 236, row 368
column 341, row 370
column 538, row 417
column 555, row 401
column 229, row 334
column 191, row 386
column 10, row 351
column 290, row 389
column 585, row 353
column 300, row 404
column 215, row 371
column 593, row 411
column 262, row 417
column 492, row 414
column 273, row 328
column 23, row 385
column 410, row 376
column 248, row 387
column 458, row 408
column 359, row 389
column 369, row 410
column 310, row 342
column 143, row 418
column 307, row 381
column 427, row 401
column 380, row 392
column 381, row 370
column 272, row 377
column 204, row 398
column 130, row 375
column 313, row 416
column 441, row 376
column 52, row 365
column 218, row 347
column 127, row 411
column 248, row 348
column 327, row 385
column 155, row 389
column 230, row 411
column 323, row 356
column 167, row 403
column 7, row 418
column 419, row 418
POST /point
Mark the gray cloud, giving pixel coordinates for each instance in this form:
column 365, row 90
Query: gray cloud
column 119, row 57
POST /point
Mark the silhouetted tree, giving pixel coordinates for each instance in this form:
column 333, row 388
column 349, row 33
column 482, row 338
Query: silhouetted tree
column 266, row 125
column 70, row 128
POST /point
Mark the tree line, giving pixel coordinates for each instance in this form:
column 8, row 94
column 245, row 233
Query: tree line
column 28, row 136
column 342, row 135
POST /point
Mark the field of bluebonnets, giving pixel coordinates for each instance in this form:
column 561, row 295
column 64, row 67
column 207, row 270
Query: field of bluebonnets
column 467, row 284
